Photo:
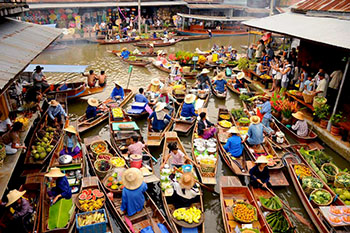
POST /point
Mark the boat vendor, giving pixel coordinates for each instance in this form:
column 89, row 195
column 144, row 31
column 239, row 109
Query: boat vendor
column 133, row 198
column 186, row 191
column 91, row 78
column 71, row 143
column 168, row 99
column 62, row 188
column 140, row 97
column 220, row 82
column 160, row 118
column 39, row 78
column 32, row 99
column 136, row 146
column 177, row 156
column 11, row 139
column 55, row 113
column 206, row 129
column 255, row 134
column 118, row 92
column 203, row 80
column 125, row 53
column 6, row 124
column 259, row 174
column 155, row 86
column 234, row 144
column 175, row 73
column 239, row 81
column 151, row 48
column 188, row 109
column 91, row 111
column 266, row 111
column 300, row 127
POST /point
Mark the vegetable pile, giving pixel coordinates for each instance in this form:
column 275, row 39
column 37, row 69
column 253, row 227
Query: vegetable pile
column 278, row 222
column 238, row 113
column 244, row 120
column 321, row 197
column 273, row 203
column 311, row 183
column 343, row 179
column 244, row 212
column 190, row 215
column 329, row 169
column 302, row 170
column 309, row 156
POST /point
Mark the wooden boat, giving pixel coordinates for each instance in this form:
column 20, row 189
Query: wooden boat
column 75, row 89
column 156, row 44
column 231, row 190
column 136, row 62
column 106, row 42
column 218, row 94
column 230, row 86
column 169, row 208
column 162, row 68
column 215, row 33
column 197, row 37
column 183, row 126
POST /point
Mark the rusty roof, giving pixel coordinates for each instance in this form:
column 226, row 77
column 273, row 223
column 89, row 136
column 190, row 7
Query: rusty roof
column 20, row 43
column 323, row 5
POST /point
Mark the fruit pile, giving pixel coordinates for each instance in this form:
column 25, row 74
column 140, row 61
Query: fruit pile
column 117, row 162
column 278, row 222
column 343, row 179
column 244, row 212
column 190, row 215
column 224, row 116
column 43, row 145
column 117, row 113
column 90, row 200
column 346, row 210
column 344, row 195
column 273, row 203
column 98, row 148
column 335, row 211
column 321, row 197
column 103, row 165
column 225, row 124
column 311, row 182
column 23, row 120
column 346, row 219
column 90, row 218
column 106, row 156
column 113, row 182
column 302, row 170
column 334, row 220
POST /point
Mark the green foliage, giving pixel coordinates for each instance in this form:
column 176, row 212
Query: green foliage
column 238, row 113
column 244, row 97
column 60, row 213
column 243, row 63
column 322, row 111
column 336, row 118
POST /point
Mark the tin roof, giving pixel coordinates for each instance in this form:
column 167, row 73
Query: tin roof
column 214, row 6
column 20, row 43
column 323, row 5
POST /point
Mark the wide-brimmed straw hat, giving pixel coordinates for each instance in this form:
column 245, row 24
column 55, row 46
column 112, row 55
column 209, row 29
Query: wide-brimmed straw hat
column 220, row 76
column 151, row 45
column 190, row 98
column 55, row 172
column 262, row 159
column 123, row 48
column 240, row 75
column 155, row 81
column 145, row 171
column 187, row 180
column 164, row 90
column 265, row 97
column 134, row 30
column 205, row 71
column 93, row 102
column 54, row 103
column 132, row 178
column 233, row 129
column 116, row 83
column 13, row 196
column 298, row 115
column 70, row 129
column 159, row 107
column 255, row 120
column 159, row 52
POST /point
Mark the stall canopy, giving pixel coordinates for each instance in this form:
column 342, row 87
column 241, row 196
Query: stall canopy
column 20, row 43
column 214, row 18
column 58, row 68
column 326, row 30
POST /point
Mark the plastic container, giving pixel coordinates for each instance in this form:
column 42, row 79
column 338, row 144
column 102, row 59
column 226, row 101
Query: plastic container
column 97, row 227
column 138, row 105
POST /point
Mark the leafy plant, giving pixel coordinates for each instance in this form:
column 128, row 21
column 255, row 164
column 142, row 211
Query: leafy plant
column 322, row 111
column 185, row 57
column 244, row 97
column 243, row 63
column 336, row 118
column 288, row 107
column 238, row 113
column 60, row 213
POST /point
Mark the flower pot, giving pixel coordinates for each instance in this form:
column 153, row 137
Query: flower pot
column 335, row 130
column 323, row 123
column 286, row 121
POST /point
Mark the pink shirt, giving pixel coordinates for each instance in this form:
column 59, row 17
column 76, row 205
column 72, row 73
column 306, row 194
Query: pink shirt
column 178, row 158
column 136, row 148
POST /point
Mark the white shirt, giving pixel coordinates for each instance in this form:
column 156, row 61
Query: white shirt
column 336, row 78
column 3, row 125
column 322, row 86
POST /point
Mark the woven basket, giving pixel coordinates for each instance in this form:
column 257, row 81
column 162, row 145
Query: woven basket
column 337, row 184
column 308, row 98
column 329, row 177
column 101, row 174
column 326, row 204
column 308, row 190
column 316, row 104
column 2, row 151
column 95, row 143
column 105, row 154
column 208, row 168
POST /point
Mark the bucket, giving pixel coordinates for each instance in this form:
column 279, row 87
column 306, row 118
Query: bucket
column 136, row 161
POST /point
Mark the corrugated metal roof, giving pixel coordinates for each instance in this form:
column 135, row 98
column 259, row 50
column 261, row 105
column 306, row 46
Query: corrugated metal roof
column 20, row 43
column 214, row 18
column 330, row 31
column 58, row 68
column 323, row 5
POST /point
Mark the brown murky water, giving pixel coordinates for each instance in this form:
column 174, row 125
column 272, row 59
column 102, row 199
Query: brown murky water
column 97, row 57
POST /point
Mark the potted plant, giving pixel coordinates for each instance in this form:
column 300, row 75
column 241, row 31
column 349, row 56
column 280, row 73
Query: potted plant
column 335, row 119
column 321, row 114
column 276, row 105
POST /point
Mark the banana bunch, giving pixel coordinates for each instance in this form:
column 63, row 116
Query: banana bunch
column 117, row 112
column 91, row 218
column 23, row 120
column 190, row 215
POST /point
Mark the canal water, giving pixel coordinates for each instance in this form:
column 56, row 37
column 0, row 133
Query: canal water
column 97, row 58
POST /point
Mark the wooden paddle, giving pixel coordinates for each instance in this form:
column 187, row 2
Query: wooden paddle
column 298, row 216
column 154, row 225
column 149, row 154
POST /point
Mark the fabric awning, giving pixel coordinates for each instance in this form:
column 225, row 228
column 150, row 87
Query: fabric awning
column 330, row 31
column 58, row 68
column 214, row 18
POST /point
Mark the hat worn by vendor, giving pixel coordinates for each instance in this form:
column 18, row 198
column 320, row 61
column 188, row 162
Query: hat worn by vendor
column 39, row 68
column 132, row 178
column 164, row 90
column 116, row 83
column 55, row 172
column 298, row 115
column 190, row 98
column 159, row 52
column 240, row 75
column 53, row 103
column 159, row 107
column 205, row 71
column 123, row 49
column 261, row 159
column 255, row 120
column 220, row 76
column 187, row 180
column 233, row 129
column 93, row 102
column 13, row 196
column 155, row 82
column 70, row 129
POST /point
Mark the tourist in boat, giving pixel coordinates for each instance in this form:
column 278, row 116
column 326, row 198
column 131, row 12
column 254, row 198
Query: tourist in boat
column 62, row 188
column 206, row 129
column 118, row 92
column 55, row 113
column 11, row 139
column 177, row 156
column 71, row 143
column 155, row 86
column 186, row 191
column 136, row 146
column 140, row 97
column 259, row 174
column 234, row 145
column 125, row 53
column 168, row 99
column 255, row 134
column 133, row 198
column 220, row 83
column 188, row 110
column 175, row 73
column 266, row 111
column 39, row 78
column 91, row 78
column 6, row 124
column 203, row 80
column 300, row 127
column 91, row 111
column 102, row 79
column 160, row 118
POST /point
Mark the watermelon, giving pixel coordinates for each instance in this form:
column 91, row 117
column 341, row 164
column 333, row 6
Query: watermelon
column 89, row 197
column 82, row 196
column 99, row 194
column 95, row 191
column 85, row 192
column 109, row 184
column 89, row 191
column 94, row 197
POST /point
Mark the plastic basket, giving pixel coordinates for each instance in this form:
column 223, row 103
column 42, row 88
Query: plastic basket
column 96, row 227
column 2, row 151
column 308, row 97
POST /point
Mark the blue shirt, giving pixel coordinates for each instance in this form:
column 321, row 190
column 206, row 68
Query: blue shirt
column 63, row 188
column 70, row 142
column 91, row 112
column 141, row 98
column 125, row 54
column 55, row 111
column 188, row 110
column 158, row 124
column 117, row 91
column 255, row 133
column 220, row 85
column 266, row 109
column 234, row 146
column 133, row 200
column 308, row 85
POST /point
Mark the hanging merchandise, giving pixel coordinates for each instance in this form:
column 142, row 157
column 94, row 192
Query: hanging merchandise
column 74, row 15
column 53, row 17
column 69, row 11
column 69, row 16
column 78, row 21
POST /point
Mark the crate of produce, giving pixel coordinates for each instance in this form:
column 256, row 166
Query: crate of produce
column 97, row 216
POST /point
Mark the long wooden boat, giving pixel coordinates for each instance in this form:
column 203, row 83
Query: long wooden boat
column 136, row 62
column 215, row 33
column 106, row 42
column 156, row 44
column 75, row 89
column 230, row 86
column 169, row 208
column 159, row 67
column 231, row 191
column 218, row 94
column 183, row 126
column 197, row 37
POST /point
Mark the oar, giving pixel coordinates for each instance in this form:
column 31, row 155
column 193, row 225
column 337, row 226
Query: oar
column 149, row 154
column 154, row 225
column 298, row 216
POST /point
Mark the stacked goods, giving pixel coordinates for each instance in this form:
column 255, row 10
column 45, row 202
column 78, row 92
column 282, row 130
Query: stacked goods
column 344, row 195
column 329, row 170
column 99, row 147
column 206, row 155
column 117, row 162
column 321, row 197
column 265, row 76
column 342, row 180
column 24, row 120
column 117, row 113
column 278, row 222
column 310, row 155
column 244, row 121
column 44, row 144
column 339, row 216
column 114, row 182
column 90, row 200
column 273, row 203
column 90, row 218
column 244, row 212
column 190, row 215
column 165, row 182
column 238, row 113
column 302, row 170
column 310, row 183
